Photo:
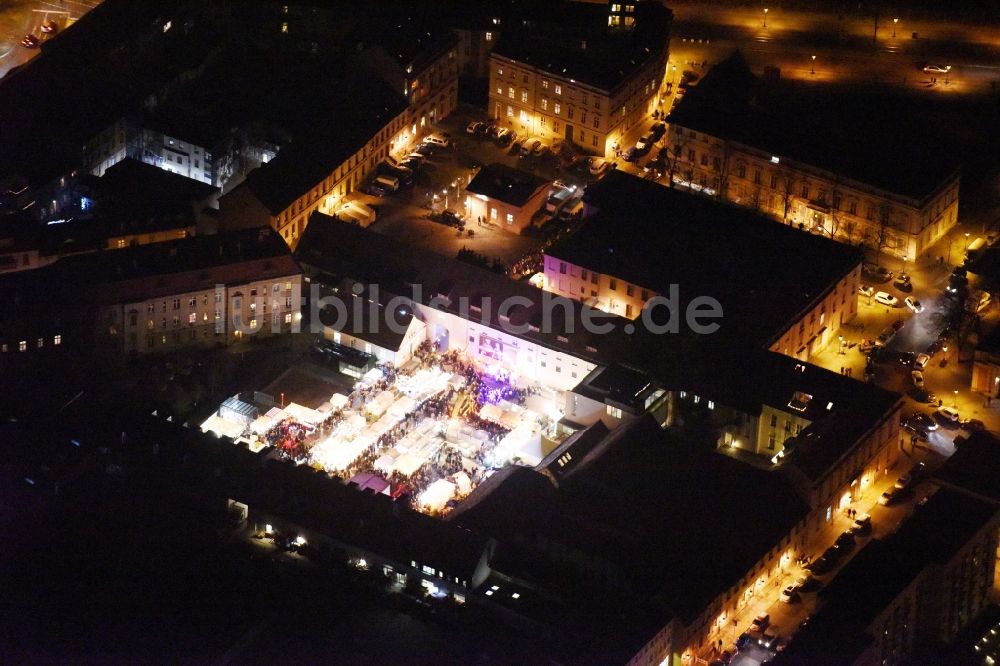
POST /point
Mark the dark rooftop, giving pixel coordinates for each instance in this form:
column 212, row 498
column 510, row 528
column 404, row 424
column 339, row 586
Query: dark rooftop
column 875, row 138
column 584, row 48
column 507, row 184
column 345, row 250
column 765, row 274
column 135, row 197
column 364, row 108
column 639, row 501
column 974, row 467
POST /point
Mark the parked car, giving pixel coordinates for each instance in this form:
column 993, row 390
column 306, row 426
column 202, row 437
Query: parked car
column 881, row 273
column 918, row 378
column 921, row 423
column 644, row 143
column 49, row 26
column 658, row 130
column 632, row 154
column 886, row 298
column 453, row 218
column 657, row 164
column 921, row 361
column 425, row 149
column 474, row 127
column 937, row 69
column 761, row 622
column 865, row 290
column 973, row 425
column 29, row 42
column 913, row 304
column 505, row 137
column 530, row 146
column 437, row 139
column 789, row 595
column 539, row 148
column 948, row 415
column 925, row 396
column 911, row 476
column 598, row 166
column 845, row 542
column 807, row 583
column 518, row 143
column 862, row 525
column 894, row 496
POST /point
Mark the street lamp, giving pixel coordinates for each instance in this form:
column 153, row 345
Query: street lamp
column 966, row 241
column 894, row 22
column 765, row 17
column 445, row 193
column 812, row 68
column 956, row 398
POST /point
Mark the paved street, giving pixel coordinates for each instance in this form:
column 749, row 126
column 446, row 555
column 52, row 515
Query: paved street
column 23, row 17
column 843, row 45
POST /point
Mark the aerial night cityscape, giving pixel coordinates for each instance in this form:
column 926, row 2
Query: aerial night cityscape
column 647, row 332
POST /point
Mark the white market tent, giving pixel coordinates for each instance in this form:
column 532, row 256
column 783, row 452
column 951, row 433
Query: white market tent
column 339, row 401
column 437, row 495
column 303, row 414
column 402, row 407
column 407, row 464
column 377, row 406
column 222, row 427
column 463, row 483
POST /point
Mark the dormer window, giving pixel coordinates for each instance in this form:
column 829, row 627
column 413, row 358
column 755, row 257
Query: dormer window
column 800, row 401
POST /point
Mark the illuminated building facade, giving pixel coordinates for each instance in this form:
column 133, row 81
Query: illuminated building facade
column 722, row 138
column 585, row 86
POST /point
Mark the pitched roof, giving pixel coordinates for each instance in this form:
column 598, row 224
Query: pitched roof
column 765, row 274
column 364, row 109
column 875, row 138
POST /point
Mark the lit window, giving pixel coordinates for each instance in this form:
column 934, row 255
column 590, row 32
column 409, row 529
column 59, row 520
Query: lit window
column 524, row 95
column 22, row 345
column 500, row 90
column 510, row 218
column 510, row 111
column 558, row 89
column 489, row 36
column 614, row 412
column 556, row 108
column 284, row 27
column 493, row 213
column 499, row 71
column 288, row 318
column 510, row 92
column 193, row 317
column 40, row 342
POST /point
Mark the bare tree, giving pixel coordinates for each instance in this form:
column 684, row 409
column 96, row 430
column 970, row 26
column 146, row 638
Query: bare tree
column 725, row 159
column 675, row 154
column 787, row 179
column 880, row 234
column 835, row 217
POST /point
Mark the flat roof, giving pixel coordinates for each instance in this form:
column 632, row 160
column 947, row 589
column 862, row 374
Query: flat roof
column 765, row 274
column 507, row 184
column 974, row 466
column 875, row 138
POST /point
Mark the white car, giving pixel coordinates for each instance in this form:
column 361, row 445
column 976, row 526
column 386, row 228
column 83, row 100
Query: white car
column 948, row 414
column 866, row 291
column 913, row 304
column 886, row 299
column 790, row 594
column 937, row 69
column 918, row 378
column 921, row 361
column 598, row 166
column 438, row 140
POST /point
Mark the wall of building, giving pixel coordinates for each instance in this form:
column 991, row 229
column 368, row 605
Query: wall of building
column 986, row 374
column 821, row 324
column 125, row 138
column 202, row 318
column 538, row 103
column 819, row 201
column 507, row 217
